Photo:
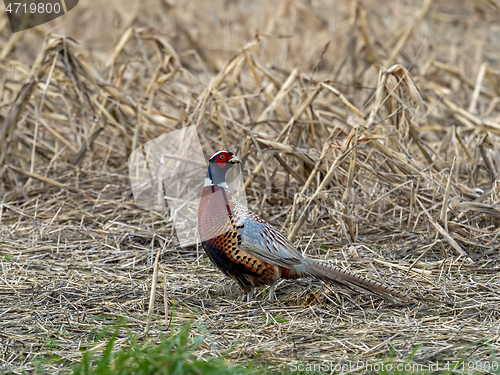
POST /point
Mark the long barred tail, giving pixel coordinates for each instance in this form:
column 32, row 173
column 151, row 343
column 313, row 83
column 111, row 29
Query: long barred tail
column 332, row 274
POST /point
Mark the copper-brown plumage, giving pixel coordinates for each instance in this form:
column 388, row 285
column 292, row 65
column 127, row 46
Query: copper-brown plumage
column 222, row 241
column 254, row 253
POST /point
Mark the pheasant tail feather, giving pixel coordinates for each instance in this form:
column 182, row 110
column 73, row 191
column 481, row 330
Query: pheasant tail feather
column 332, row 274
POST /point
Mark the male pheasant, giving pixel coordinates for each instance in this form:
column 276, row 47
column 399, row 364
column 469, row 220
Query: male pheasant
column 254, row 253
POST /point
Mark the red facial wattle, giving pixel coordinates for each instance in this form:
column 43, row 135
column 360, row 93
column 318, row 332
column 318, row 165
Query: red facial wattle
column 222, row 159
column 221, row 163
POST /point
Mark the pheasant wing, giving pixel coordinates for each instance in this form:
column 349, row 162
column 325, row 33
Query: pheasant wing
column 263, row 240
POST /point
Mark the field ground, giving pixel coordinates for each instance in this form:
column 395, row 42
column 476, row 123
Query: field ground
column 370, row 134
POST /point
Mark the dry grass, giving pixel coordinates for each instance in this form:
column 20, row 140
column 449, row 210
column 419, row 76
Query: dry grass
column 396, row 172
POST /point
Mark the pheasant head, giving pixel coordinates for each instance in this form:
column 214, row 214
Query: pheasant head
column 219, row 164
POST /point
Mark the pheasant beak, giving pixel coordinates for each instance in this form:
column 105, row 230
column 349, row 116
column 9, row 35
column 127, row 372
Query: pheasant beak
column 235, row 160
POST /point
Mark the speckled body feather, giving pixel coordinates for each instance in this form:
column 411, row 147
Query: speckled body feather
column 221, row 241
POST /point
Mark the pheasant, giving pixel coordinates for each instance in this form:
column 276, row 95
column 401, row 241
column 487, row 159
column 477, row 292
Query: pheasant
column 254, row 253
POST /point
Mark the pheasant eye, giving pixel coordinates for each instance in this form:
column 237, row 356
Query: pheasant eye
column 221, row 157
